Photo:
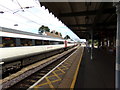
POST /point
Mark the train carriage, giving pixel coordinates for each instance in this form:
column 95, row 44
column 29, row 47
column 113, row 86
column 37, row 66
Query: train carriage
column 20, row 48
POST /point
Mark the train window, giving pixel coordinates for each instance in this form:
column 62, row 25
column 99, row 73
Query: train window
column 8, row 42
column 69, row 42
column 26, row 42
column 46, row 42
column 61, row 42
column 38, row 42
column 51, row 42
column 56, row 42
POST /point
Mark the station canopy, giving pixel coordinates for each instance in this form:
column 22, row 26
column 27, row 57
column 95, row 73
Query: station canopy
column 84, row 17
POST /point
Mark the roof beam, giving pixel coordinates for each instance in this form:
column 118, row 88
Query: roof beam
column 84, row 13
column 96, row 30
column 97, row 25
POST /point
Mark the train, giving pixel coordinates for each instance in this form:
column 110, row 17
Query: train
column 20, row 48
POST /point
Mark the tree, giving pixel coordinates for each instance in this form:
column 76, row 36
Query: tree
column 51, row 31
column 43, row 29
column 56, row 33
column 60, row 34
column 67, row 37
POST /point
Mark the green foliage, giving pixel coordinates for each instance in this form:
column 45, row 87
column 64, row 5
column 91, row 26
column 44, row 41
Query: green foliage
column 56, row 33
column 60, row 34
column 51, row 31
column 89, row 41
column 43, row 29
column 95, row 42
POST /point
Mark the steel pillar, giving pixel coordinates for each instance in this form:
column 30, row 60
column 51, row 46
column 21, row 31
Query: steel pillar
column 108, row 43
column 103, row 43
column 117, row 76
column 92, row 45
column 99, row 43
column 0, row 40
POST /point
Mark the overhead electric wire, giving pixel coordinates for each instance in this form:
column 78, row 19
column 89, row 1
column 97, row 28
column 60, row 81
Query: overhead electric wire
column 24, row 9
column 16, row 21
column 36, row 2
column 19, row 15
column 27, row 10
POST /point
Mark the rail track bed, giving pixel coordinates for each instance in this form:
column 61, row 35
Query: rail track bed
column 30, row 76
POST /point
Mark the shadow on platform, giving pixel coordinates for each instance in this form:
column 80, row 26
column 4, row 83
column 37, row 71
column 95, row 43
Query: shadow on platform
column 97, row 73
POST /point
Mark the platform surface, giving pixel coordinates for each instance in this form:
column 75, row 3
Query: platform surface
column 99, row 72
column 64, row 75
column 79, row 71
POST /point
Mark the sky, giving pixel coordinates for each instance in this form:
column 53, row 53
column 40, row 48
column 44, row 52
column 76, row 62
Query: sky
column 28, row 15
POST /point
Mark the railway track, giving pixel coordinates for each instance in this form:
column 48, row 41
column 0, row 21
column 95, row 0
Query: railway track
column 30, row 80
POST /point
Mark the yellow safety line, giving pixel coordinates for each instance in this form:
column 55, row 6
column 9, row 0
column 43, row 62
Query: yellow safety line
column 35, row 88
column 56, row 70
column 68, row 62
column 65, row 69
column 59, row 79
column 76, row 73
column 60, row 70
column 49, row 82
column 56, row 80
column 64, row 66
column 41, row 84
column 54, row 75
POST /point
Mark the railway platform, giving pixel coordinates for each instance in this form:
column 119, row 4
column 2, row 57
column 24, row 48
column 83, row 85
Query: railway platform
column 64, row 75
column 79, row 71
column 99, row 72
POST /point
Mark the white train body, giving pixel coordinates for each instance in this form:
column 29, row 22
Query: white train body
column 13, row 52
column 9, row 54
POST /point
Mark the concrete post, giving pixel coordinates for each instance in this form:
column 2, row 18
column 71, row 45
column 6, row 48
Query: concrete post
column 117, row 80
